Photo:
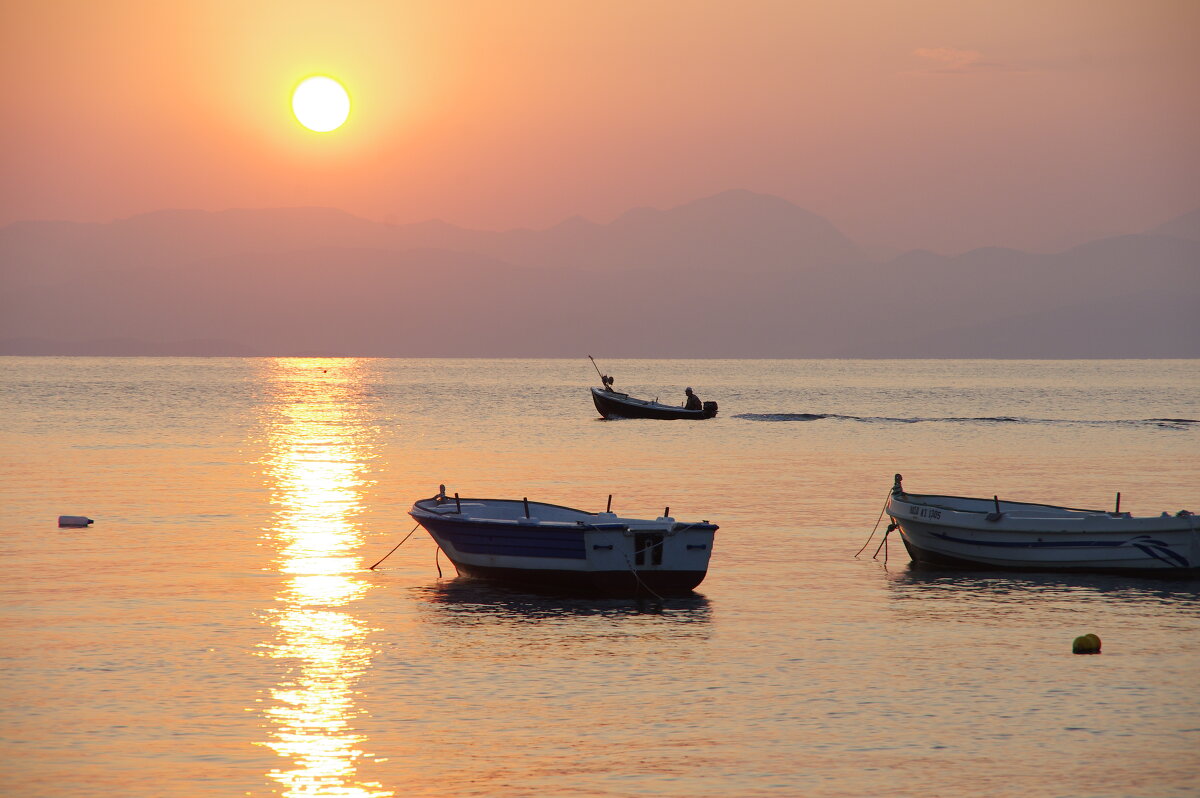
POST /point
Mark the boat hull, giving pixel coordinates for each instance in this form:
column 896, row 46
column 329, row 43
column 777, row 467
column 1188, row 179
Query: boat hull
column 594, row 554
column 608, row 584
column 613, row 405
column 1060, row 540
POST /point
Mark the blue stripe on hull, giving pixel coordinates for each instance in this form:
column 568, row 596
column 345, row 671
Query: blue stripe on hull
column 512, row 541
column 616, row 584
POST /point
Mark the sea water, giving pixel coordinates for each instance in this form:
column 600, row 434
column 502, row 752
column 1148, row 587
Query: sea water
column 217, row 631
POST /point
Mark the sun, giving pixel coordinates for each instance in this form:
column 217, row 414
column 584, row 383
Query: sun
column 321, row 104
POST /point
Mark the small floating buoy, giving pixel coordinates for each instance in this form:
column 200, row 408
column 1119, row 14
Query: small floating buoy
column 74, row 520
column 1086, row 644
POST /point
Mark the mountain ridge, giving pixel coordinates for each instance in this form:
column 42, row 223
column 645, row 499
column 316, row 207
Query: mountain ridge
column 767, row 279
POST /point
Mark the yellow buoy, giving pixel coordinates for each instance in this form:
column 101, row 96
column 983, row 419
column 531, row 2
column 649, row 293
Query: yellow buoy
column 1086, row 644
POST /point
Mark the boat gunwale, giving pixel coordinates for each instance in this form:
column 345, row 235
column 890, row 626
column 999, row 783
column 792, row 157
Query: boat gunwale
column 1067, row 521
column 619, row 522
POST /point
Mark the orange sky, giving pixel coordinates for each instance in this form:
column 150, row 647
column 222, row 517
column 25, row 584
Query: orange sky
column 941, row 124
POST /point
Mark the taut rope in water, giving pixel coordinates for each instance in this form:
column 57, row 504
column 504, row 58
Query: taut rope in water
column 642, row 584
column 636, row 575
column 877, row 520
column 398, row 545
column 883, row 543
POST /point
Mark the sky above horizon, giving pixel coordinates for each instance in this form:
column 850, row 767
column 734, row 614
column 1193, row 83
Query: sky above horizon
column 944, row 124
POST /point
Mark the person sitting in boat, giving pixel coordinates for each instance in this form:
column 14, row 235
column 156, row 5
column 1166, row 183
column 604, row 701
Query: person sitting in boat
column 693, row 401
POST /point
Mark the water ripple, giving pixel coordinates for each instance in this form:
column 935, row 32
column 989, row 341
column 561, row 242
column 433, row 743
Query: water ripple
column 1162, row 423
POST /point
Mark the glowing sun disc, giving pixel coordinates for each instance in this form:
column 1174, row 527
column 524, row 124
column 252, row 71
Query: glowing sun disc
column 321, row 104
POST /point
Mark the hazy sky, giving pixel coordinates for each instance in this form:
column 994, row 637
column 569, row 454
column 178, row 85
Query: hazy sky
column 944, row 124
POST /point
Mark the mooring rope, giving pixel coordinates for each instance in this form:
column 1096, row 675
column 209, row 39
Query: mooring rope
column 398, row 545
column 637, row 576
column 883, row 543
column 877, row 520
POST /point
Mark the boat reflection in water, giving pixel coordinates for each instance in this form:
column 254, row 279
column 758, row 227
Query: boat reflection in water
column 467, row 601
column 317, row 448
column 961, row 594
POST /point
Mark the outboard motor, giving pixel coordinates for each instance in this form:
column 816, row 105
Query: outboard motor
column 710, row 409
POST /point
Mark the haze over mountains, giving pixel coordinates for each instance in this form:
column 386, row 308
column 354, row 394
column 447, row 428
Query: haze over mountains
column 737, row 274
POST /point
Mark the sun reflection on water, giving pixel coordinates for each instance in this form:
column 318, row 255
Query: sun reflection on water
column 318, row 444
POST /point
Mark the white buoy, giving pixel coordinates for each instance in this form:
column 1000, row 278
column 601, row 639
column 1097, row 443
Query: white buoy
column 74, row 520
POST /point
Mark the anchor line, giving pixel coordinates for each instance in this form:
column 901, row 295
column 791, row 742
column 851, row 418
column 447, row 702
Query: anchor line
column 877, row 520
column 883, row 543
column 638, row 577
column 398, row 545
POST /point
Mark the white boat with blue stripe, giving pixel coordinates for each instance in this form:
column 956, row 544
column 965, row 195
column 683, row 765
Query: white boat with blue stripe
column 996, row 533
column 548, row 546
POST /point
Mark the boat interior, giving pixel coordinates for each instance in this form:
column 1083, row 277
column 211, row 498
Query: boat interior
column 633, row 400
column 514, row 511
column 1009, row 508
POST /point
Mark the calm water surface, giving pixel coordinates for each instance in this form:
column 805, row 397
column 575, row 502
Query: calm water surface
column 218, row 632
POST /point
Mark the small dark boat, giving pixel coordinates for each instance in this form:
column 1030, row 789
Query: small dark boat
column 561, row 549
column 612, row 404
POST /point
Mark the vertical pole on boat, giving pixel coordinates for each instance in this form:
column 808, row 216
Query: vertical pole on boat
column 526, row 500
column 597, row 368
column 457, row 504
column 1118, row 502
column 996, row 501
column 666, row 512
column 608, row 507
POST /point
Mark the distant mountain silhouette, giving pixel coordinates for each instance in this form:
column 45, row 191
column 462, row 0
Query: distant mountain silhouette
column 735, row 229
column 1149, row 324
column 733, row 275
column 126, row 347
column 732, row 230
column 48, row 251
column 1186, row 226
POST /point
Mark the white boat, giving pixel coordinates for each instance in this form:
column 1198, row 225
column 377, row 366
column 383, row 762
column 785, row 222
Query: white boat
column 996, row 533
column 549, row 546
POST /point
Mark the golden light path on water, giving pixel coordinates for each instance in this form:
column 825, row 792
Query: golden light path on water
column 318, row 444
